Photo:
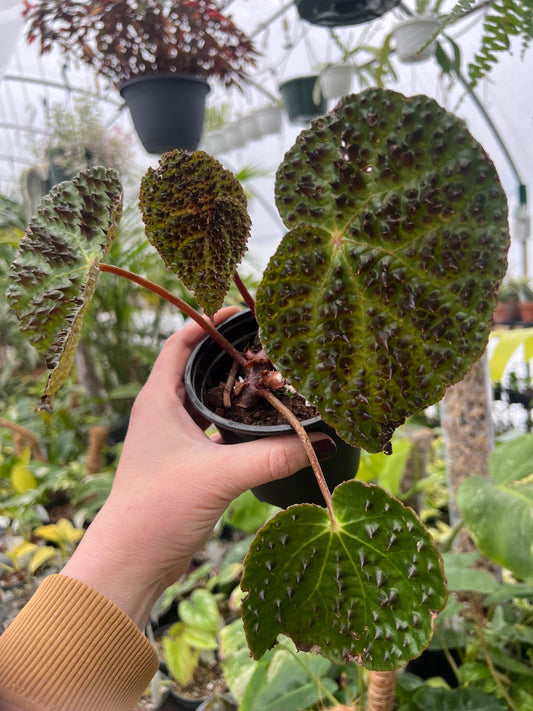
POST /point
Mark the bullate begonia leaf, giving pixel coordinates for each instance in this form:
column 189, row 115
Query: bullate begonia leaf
column 364, row 588
column 381, row 294
column 54, row 275
column 194, row 211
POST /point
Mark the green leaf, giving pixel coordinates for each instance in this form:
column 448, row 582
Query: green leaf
column 498, row 513
column 456, row 700
column 381, row 294
column 54, row 275
column 22, row 478
column 180, row 658
column 200, row 610
column 195, row 215
column 365, row 588
column 461, row 577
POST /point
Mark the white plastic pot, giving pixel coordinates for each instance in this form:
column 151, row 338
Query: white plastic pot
column 249, row 128
column 336, row 80
column 269, row 119
column 412, row 35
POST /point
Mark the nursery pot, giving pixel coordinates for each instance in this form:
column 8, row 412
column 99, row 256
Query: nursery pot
column 167, row 110
column 303, row 99
column 412, row 36
column 336, row 13
column 526, row 311
column 336, row 80
column 210, row 364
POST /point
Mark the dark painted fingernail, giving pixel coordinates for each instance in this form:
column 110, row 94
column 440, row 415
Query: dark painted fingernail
column 324, row 448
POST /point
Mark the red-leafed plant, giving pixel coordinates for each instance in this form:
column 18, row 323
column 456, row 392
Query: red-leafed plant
column 122, row 39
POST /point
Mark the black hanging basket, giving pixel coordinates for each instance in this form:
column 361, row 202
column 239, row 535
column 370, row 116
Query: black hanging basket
column 303, row 99
column 336, row 13
column 167, row 110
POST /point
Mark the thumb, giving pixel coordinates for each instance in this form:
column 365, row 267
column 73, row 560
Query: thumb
column 271, row 458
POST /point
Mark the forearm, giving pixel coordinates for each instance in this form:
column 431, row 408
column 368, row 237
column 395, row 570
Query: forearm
column 72, row 648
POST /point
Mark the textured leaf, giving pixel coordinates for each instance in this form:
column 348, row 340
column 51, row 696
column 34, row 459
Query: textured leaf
column 499, row 513
column 381, row 294
column 195, row 215
column 365, row 589
column 54, row 275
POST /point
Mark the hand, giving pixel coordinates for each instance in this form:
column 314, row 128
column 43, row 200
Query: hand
column 172, row 485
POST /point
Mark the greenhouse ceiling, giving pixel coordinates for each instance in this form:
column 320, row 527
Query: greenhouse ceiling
column 500, row 116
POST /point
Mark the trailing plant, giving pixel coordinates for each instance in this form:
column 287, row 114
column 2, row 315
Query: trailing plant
column 129, row 38
column 78, row 138
column 379, row 296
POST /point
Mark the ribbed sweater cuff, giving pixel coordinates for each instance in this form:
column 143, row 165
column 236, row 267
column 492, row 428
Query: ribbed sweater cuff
column 72, row 649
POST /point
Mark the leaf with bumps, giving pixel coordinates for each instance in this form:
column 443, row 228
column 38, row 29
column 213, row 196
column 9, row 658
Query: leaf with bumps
column 365, row 588
column 381, row 294
column 195, row 215
column 54, row 275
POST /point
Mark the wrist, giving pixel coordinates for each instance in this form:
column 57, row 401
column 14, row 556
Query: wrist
column 108, row 560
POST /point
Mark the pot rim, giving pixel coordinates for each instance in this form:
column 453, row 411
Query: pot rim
column 224, row 422
column 163, row 76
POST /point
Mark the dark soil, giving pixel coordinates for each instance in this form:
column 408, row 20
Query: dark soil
column 262, row 412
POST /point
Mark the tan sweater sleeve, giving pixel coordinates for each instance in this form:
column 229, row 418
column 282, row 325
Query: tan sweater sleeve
column 72, row 649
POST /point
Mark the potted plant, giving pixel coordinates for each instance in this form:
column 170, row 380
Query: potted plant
column 414, row 35
column 338, row 13
column 525, row 301
column 379, row 296
column 158, row 53
column 303, row 98
column 507, row 310
column 336, row 80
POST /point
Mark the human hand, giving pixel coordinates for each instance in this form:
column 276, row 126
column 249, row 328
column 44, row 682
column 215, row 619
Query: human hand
column 172, row 485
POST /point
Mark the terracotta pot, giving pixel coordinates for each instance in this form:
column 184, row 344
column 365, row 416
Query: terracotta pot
column 210, row 364
column 506, row 312
column 526, row 311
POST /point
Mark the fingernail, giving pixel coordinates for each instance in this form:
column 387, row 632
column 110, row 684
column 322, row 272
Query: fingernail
column 325, row 448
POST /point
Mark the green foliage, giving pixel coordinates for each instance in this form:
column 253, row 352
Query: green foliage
column 54, row 275
column 195, row 215
column 369, row 306
column 498, row 513
column 197, row 630
column 77, row 138
column 504, row 19
column 282, row 679
column 364, row 588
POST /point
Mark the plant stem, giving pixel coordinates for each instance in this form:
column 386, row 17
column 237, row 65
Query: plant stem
column 241, row 286
column 26, row 434
column 302, row 434
column 180, row 304
column 478, row 615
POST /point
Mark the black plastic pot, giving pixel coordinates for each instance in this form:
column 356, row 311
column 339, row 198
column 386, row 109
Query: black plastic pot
column 337, row 13
column 300, row 99
column 167, row 110
column 209, row 364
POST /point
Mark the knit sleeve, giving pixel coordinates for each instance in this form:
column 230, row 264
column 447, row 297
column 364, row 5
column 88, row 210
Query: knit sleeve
column 72, row 648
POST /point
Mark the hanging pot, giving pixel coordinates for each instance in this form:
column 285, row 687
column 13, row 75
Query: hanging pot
column 412, row 36
column 336, row 13
column 303, row 99
column 167, row 110
column 208, row 365
column 336, row 81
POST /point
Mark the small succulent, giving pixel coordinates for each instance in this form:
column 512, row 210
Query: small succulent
column 379, row 296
